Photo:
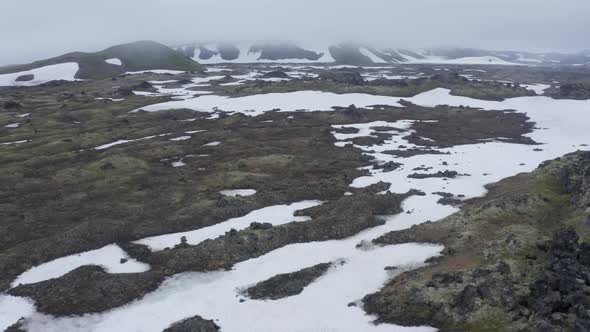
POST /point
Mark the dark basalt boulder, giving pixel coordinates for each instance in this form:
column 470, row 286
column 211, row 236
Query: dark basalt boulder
column 193, row 324
column 25, row 78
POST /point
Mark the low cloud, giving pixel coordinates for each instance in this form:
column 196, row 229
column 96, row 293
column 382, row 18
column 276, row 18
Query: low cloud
column 32, row 29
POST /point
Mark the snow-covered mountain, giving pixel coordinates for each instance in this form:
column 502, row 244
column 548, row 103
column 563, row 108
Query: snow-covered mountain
column 359, row 54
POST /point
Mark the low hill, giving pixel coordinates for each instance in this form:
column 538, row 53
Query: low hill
column 137, row 56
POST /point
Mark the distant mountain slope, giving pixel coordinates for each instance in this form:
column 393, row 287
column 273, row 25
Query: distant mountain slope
column 358, row 55
column 137, row 56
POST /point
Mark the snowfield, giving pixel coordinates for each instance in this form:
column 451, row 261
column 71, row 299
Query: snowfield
column 62, row 71
column 322, row 306
column 258, row 104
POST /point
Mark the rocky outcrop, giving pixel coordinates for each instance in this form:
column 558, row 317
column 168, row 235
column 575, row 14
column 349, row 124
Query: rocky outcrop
column 511, row 262
column 342, row 76
column 288, row 284
column 580, row 91
column 25, row 78
column 88, row 289
column 439, row 174
column 193, row 324
column 562, row 292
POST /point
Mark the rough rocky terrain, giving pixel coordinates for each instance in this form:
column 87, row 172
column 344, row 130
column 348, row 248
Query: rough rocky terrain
column 86, row 172
column 515, row 260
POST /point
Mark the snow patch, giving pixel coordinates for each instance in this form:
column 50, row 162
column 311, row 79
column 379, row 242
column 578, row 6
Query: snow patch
column 62, row 71
column 114, row 61
column 238, row 192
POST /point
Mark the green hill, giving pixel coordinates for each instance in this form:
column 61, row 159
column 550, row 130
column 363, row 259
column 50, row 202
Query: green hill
column 141, row 55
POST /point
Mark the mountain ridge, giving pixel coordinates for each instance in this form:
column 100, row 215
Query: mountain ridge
column 361, row 54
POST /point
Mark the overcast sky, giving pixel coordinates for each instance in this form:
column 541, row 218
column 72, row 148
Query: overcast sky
column 36, row 29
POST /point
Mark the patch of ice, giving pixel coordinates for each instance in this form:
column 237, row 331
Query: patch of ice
column 111, row 99
column 13, row 125
column 179, row 163
column 124, row 141
column 24, row 115
column 148, row 93
column 238, row 192
column 538, row 88
column 194, row 131
column 217, row 69
column 114, row 61
column 212, row 144
column 109, row 257
column 276, row 215
column 180, row 138
column 62, row 71
column 16, row 142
